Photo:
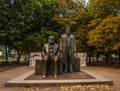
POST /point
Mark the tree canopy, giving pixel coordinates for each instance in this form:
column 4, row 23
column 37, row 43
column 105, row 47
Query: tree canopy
column 26, row 24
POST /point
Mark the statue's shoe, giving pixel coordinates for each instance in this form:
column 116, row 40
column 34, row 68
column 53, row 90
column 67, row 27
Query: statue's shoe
column 65, row 71
column 71, row 72
column 55, row 76
column 44, row 76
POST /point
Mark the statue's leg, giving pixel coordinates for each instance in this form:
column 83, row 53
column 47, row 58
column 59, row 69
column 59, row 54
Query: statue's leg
column 44, row 69
column 66, row 65
column 70, row 66
column 70, row 62
column 55, row 69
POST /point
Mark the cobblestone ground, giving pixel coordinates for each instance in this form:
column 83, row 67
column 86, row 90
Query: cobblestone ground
column 111, row 73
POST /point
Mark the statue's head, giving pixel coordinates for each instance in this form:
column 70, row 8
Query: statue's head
column 51, row 40
column 68, row 31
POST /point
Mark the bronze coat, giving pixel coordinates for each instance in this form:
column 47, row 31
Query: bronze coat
column 63, row 47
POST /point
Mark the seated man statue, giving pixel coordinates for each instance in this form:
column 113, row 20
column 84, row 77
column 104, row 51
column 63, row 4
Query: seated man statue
column 50, row 54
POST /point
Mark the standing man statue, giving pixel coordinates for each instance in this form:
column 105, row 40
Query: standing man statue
column 50, row 54
column 68, row 48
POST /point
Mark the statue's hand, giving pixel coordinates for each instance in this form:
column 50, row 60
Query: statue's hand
column 75, row 54
column 56, row 58
column 45, row 57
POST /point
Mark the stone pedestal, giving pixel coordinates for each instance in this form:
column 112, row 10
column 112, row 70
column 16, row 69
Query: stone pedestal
column 77, row 65
column 80, row 78
column 38, row 67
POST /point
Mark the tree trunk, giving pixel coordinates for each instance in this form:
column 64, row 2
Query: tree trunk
column 97, row 56
column 107, row 58
column 18, row 59
column 19, row 55
column 119, row 56
column 89, row 55
column 6, row 54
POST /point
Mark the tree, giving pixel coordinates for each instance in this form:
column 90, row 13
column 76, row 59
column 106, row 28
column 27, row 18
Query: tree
column 34, row 42
column 65, row 11
column 105, row 37
column 22, row 18
column 75, row 15
column 103, row 8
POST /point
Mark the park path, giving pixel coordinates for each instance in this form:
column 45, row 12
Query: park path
column 111, row 73
column 12, row 73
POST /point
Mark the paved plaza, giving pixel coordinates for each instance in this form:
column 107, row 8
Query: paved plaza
column 110, row 73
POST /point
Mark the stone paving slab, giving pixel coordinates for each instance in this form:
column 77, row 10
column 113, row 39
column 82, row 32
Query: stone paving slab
column 21, row 82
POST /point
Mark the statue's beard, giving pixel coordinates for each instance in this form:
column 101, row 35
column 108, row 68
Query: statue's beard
column 51, row 43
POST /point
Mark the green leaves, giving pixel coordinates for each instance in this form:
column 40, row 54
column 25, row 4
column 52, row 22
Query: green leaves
column 30, row 22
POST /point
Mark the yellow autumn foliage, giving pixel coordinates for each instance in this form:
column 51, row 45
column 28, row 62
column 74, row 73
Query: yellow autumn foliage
column 106, row 35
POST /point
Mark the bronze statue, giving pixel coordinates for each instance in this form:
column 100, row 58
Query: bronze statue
column 50, row 54
column 68, row 48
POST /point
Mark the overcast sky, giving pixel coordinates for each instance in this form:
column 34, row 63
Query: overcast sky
column 87, row 0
